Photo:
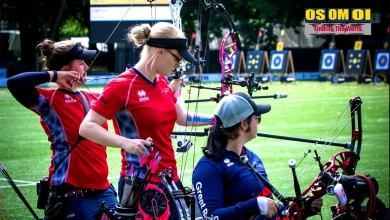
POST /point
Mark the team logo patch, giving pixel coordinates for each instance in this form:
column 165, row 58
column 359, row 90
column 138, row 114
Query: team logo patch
column 257, row 165
column 142, row 96
column 228, row 163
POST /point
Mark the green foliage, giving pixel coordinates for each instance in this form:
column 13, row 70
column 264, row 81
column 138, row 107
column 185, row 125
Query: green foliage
column 249, row 17
column 73, row 28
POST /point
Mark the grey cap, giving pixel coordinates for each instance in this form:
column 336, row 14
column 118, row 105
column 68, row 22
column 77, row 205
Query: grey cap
column 237, row 106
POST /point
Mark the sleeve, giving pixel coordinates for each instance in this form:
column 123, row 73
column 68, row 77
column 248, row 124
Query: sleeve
column 112, row 99
column 209, row 190
column 22, row 87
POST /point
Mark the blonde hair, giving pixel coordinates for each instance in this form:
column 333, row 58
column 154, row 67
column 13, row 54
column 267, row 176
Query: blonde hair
column 52, row 52
column 140, row 33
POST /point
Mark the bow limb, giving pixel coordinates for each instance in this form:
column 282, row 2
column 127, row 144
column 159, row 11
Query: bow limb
column 345, row 160
column 226, row 51
column 175, row 8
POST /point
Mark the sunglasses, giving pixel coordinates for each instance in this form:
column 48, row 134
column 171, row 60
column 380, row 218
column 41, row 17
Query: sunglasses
column 178, row 59
column 258, row 118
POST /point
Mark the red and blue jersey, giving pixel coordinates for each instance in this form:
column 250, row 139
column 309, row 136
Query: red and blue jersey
column 141, row 109
column 227, row 189
column 61, row 113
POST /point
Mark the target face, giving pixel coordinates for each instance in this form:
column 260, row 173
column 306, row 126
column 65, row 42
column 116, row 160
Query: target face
column 276, row 62
column 382, row 61
column 328, row 61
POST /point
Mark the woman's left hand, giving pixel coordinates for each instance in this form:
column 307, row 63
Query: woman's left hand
column 175, row 84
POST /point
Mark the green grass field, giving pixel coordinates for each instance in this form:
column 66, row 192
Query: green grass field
column 308, row 112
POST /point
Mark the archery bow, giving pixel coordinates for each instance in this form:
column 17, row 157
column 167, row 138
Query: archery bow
column 226, row 53
column 329, row 181
column 183, row 144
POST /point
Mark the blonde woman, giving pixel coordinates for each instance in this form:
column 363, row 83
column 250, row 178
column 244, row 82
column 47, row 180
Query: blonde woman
column 142, row 104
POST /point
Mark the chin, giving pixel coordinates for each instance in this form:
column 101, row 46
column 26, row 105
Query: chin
column 166, row 73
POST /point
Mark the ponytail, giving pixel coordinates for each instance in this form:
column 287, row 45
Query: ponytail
column 218, row 139
column 216, row 142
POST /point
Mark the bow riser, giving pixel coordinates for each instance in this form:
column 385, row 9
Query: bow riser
column 225, row 59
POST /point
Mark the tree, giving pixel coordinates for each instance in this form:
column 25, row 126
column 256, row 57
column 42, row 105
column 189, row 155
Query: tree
column 250, row 16
column 45, row 17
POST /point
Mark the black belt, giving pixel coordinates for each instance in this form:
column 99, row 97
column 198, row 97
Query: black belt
column 68, row 191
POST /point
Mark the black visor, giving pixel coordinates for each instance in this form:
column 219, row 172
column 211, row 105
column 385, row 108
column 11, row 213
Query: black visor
column 76, row 53
column 179, row 44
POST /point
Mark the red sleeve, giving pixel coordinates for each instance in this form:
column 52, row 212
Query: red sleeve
column 112, row 99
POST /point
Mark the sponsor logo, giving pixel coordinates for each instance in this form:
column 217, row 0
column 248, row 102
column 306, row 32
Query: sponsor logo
column 69, row 99
column 330, row 21
column 165, row 91
column 142, row 96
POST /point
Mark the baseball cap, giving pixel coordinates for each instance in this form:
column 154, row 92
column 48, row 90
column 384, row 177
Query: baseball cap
column 237, row 106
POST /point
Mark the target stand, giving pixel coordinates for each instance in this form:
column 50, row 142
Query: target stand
column 330, row 63
column 257, row 62
column 281, row 63
column 381, row 67
column 358, row 63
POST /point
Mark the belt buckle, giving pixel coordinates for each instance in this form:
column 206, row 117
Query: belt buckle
column 80, row 191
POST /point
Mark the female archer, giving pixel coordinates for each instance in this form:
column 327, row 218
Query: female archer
column 78, row 171
column 226, row 188
column 142, row 104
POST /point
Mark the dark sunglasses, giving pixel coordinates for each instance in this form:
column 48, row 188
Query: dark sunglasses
column 178, row 59
column 258, row 118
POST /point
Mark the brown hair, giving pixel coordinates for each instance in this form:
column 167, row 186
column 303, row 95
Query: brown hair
column 218, row 138
column 52, row 52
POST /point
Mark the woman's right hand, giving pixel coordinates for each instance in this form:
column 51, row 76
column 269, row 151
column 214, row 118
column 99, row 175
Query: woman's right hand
column 272, row 207
column 136, row 146
column 267, row 206
column 67, row 78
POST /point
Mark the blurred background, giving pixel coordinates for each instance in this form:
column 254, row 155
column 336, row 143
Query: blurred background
column 274, row 47
column 261, row 24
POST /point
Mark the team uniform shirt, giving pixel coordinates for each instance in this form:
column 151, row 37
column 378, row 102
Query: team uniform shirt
column 61, row 113
column 141, row 109
column 227, row 189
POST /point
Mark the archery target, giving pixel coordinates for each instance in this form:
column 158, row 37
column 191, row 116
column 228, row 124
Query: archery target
column 382, row 61
column 234, row 58
column 328, row 61
column 277, row 61
column 254, row 61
